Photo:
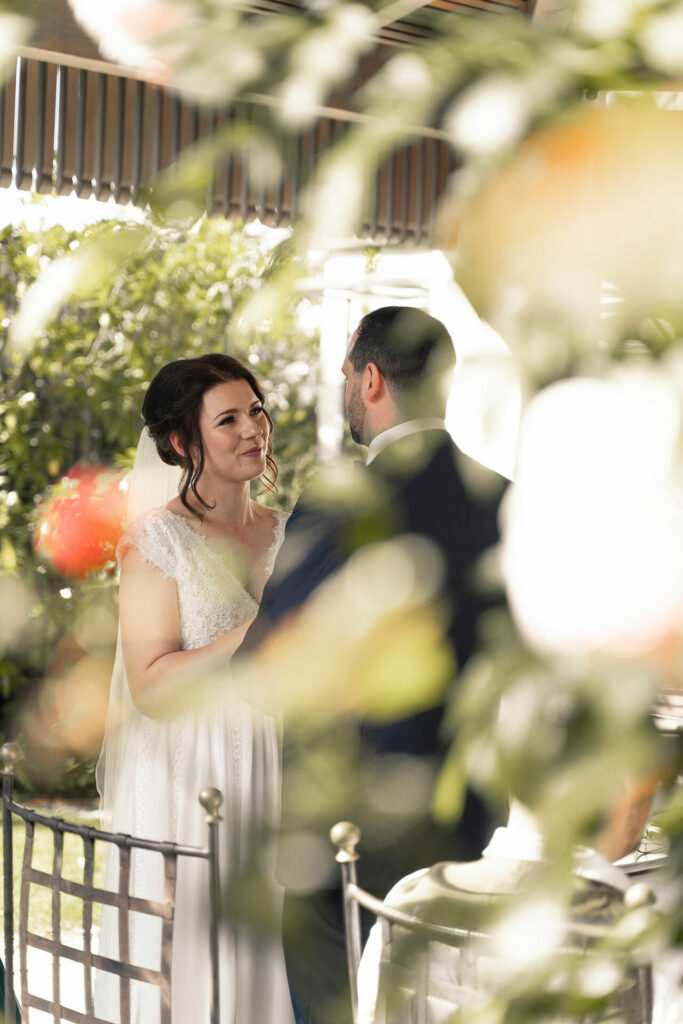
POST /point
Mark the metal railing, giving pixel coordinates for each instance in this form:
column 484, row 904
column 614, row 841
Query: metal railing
column 91, row 894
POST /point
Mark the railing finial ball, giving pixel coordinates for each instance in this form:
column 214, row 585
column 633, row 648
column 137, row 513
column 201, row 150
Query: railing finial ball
column 211, row 800
column 345, row 836
column 10, row 753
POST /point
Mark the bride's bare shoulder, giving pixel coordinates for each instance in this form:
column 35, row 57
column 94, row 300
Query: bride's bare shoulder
column 176, row 506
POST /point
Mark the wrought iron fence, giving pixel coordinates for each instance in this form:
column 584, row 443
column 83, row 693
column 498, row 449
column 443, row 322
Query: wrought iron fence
column 57, row 946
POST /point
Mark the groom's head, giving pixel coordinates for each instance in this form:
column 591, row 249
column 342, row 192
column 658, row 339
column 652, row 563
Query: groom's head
column 397, row 367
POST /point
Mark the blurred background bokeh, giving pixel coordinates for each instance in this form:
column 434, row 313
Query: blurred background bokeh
column 513, row 167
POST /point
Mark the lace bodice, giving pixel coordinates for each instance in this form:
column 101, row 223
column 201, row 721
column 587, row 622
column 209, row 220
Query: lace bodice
column 211, row 599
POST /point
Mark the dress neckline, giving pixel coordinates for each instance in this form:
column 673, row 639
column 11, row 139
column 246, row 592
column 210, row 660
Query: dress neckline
column 279, row 517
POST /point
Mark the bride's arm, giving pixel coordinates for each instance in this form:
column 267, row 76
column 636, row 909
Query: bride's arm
column 156, row 668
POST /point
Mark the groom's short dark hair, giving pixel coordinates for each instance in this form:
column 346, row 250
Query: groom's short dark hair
column 409, row 347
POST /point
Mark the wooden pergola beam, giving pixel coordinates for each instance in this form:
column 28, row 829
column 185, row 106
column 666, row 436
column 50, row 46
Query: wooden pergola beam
column 72, row 121
column 59, row 38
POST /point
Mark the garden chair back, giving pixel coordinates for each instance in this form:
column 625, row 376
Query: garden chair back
column 57, row 945
column 428, row 970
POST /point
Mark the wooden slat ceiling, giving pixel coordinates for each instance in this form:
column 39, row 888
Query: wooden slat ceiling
column 72, row 122
column 58, row 32
column 420, row 22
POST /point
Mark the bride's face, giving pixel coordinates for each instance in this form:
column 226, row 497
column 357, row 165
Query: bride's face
column 234, row 432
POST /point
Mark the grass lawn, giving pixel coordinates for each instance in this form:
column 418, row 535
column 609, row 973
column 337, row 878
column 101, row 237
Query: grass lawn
column 40, row 897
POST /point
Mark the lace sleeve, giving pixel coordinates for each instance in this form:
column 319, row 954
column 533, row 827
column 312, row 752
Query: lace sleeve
column 281, row 518
column 152, row 536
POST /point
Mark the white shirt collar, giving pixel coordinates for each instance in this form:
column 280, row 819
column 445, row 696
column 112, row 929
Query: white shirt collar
column 515, row 844
column 399, row 430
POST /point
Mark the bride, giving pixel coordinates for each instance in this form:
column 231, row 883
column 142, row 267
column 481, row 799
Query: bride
column 192, row 575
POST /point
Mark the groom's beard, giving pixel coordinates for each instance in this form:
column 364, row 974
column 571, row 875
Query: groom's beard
column 356, row 417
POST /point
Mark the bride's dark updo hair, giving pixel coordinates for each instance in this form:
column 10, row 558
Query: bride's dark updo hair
column 172, row 405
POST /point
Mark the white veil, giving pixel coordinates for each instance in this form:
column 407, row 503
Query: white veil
column 151, row 484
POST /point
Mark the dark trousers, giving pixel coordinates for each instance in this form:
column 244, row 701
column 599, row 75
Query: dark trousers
column 315, row 955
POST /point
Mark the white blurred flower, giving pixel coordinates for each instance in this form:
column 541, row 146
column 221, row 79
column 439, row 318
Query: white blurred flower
column 407, row 73
column 26, row 399
column 484, row 409
column 324, row 57
column 538, row 241
column 606, row 19
column 126, row 30
column 14, row 31
column 531, row 934
column 598, row 976
column 354, row 21
column 299, row 99
column 662, row 41
column 388, row 577
column 334, row 203
column 489, row 115
column 593, row 533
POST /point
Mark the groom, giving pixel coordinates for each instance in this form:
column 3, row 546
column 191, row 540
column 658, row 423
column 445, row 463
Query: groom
column 397, row 369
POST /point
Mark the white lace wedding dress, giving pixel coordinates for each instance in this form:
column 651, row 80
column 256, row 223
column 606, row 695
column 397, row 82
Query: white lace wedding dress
column 164, row 766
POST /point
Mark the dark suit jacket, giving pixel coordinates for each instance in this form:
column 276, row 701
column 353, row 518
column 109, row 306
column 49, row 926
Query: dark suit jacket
column 421, row 484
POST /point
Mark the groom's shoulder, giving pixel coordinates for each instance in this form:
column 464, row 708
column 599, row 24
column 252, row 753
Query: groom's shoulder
column 429, row 467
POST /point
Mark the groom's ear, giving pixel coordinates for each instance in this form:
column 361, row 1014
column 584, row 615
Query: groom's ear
column 374, row 384
column 175, row 441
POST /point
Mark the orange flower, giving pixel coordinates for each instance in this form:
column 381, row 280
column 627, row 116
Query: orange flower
column 591, row 199
column 81, row 524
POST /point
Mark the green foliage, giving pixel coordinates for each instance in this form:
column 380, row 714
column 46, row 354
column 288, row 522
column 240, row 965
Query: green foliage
column 75, row 394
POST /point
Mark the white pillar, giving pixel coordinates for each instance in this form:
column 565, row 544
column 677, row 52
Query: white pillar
column 340, row 314
column 333, row 339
